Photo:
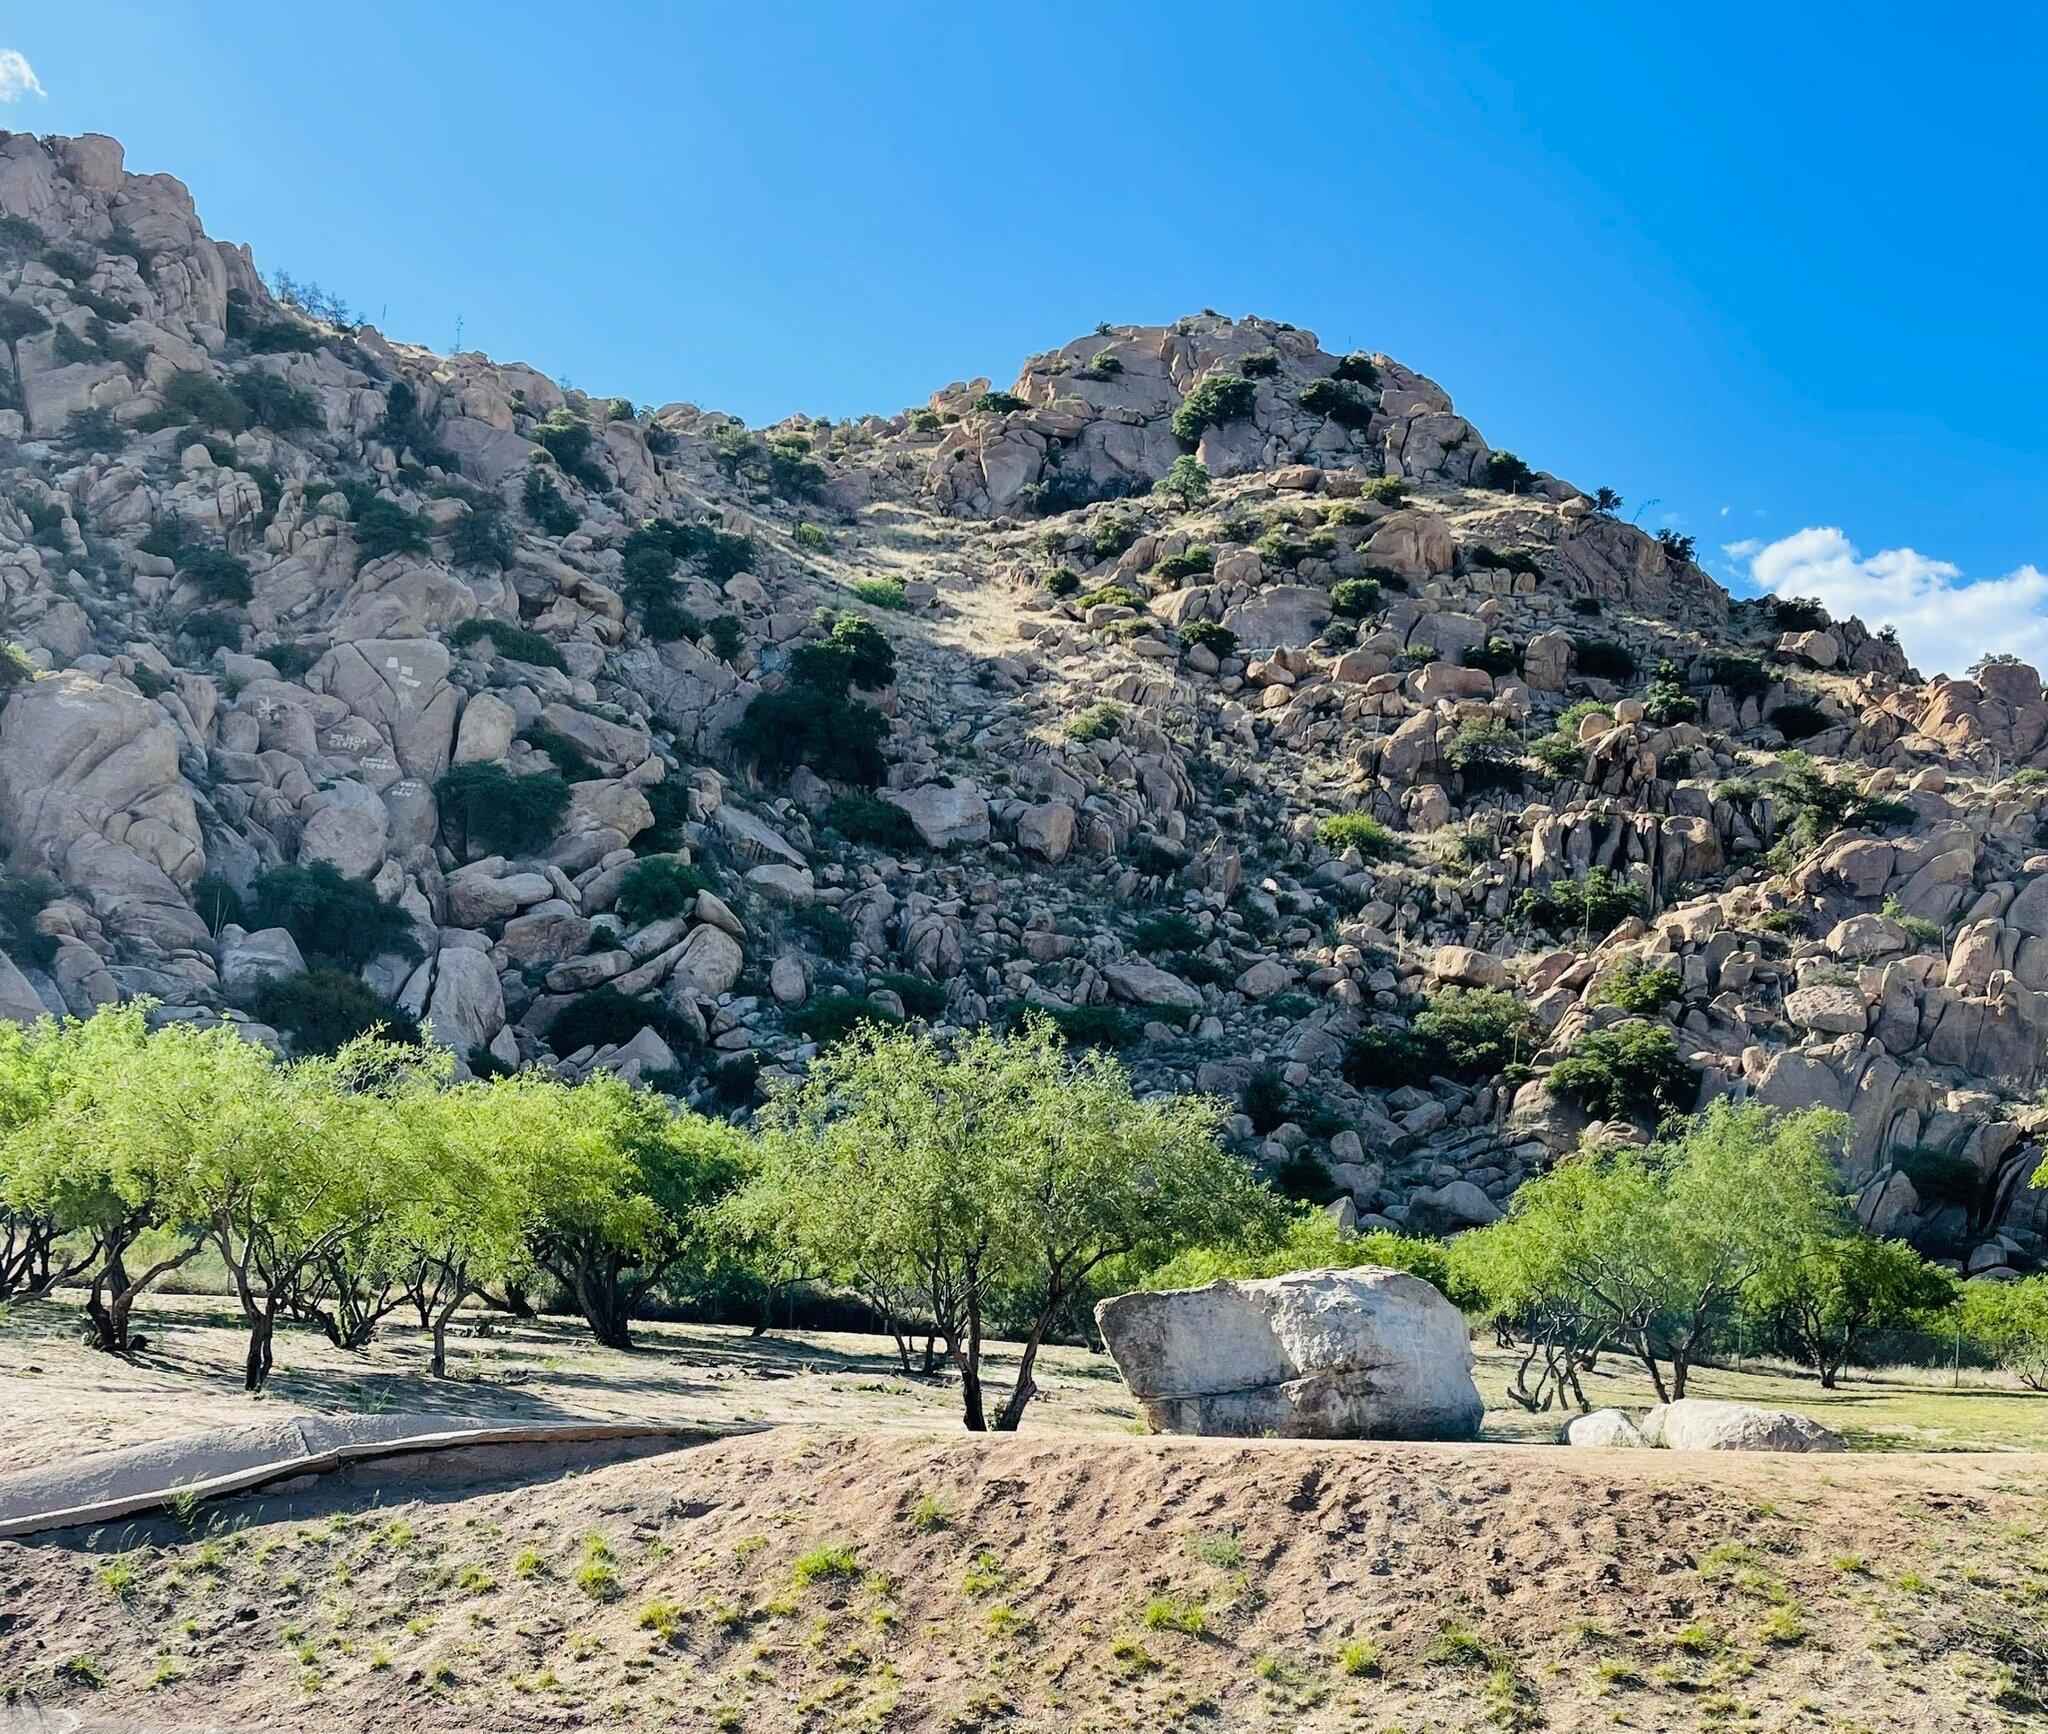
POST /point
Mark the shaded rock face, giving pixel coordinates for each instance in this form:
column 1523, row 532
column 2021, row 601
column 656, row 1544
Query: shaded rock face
column 1701, row 1424
column 1329, row 1354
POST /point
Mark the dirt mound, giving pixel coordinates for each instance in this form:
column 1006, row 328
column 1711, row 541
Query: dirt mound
column 802, row 1579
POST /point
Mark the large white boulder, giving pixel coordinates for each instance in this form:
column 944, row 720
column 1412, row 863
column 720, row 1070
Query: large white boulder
column 1703, row 1424
column 1609, row 1427
column 1318, row 1354
column 944, row 815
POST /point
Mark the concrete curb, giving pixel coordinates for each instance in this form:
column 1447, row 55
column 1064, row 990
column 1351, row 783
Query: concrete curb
column 249, row 1477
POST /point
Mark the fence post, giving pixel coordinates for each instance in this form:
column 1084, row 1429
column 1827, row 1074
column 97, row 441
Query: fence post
column 1956, row 1380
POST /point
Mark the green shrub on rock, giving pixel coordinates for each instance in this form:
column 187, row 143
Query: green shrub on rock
column 324, row 1009
column 1640, row 987
column 1594, row 905
column 332, row 919
column 1629, row 1071
column 877, row 823
column 1355, row 598
column 658, row 887
column 485, row 807
column 832, row 1017
column 515, row 643
column 1212, row 402
column 1360, row 831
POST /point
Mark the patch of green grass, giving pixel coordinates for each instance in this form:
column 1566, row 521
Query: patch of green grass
column 1359, row 1659
column 985, row 1574
column 117, row 1578
column 82, row 1670
column 823, row 1565
column 663, row 1617
column 1130, row 1655
column 596, row 1576
column 167, row 1672
column 1509, row 1701
column 881, row 593
column 1221, row 1548
column 1171, row 1612
column 1457, row 1646
column 1784, row 1626
column 926, row 1515
column 529, row 1562
column 1698, row 1640
column 1613, row 1671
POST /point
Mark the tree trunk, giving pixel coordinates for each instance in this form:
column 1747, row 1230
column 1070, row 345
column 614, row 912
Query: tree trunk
column 604, row 1309
column 261, row 1328
column 1648, row 1357
column 1021, row 1393
column 969, row 1362
column 458, row 1286
column 108, row 1303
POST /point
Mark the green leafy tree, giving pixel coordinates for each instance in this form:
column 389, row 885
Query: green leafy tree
column 1824, row 1300
column 462, row 1219
column 1629, row 1071
column 1211, row 402
column 1185, row 484
column 103, row 1156
column 278, row 1166
column 1653, row 1249
column 332, row 919
column 487, row 807
column 624, row 1189
column 995, row 1175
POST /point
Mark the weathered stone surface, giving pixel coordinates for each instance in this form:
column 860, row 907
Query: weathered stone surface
column 455, row 993
column 248, row 958
column 1352, row 1354
column 1046, row 831
column 711, row 960
column 1702, row 1424
column 19, row 1002
column 348, row 828
column 943, row 815
column 1603, row 1427
column 1140, row 983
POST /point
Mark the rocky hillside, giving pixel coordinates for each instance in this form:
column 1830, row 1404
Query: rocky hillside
column 1353, row 769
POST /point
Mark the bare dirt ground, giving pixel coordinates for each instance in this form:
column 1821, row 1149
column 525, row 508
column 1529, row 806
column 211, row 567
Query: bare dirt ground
column 58, row 1399
column 865, row 1565
column 818, row 1578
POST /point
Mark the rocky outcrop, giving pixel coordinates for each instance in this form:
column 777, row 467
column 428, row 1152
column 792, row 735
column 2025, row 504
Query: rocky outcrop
column 1351, row 1354
column 1093, row 777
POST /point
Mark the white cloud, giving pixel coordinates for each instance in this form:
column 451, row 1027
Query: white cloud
column 1944, row 622
column 17, row 77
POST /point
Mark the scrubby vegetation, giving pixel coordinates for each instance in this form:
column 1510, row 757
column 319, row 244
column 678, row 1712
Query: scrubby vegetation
column 1214, row 401
column 489, row 808
column 332, row 919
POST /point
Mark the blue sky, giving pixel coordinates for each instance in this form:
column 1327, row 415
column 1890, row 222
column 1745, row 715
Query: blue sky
column 1776, row 269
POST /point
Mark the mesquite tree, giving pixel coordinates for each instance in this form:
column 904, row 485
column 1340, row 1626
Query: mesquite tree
column 992, row 1177
column 1653, row 1250
column 622, row 1186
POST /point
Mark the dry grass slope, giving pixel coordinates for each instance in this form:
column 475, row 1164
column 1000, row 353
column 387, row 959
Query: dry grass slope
column 815, row 1580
